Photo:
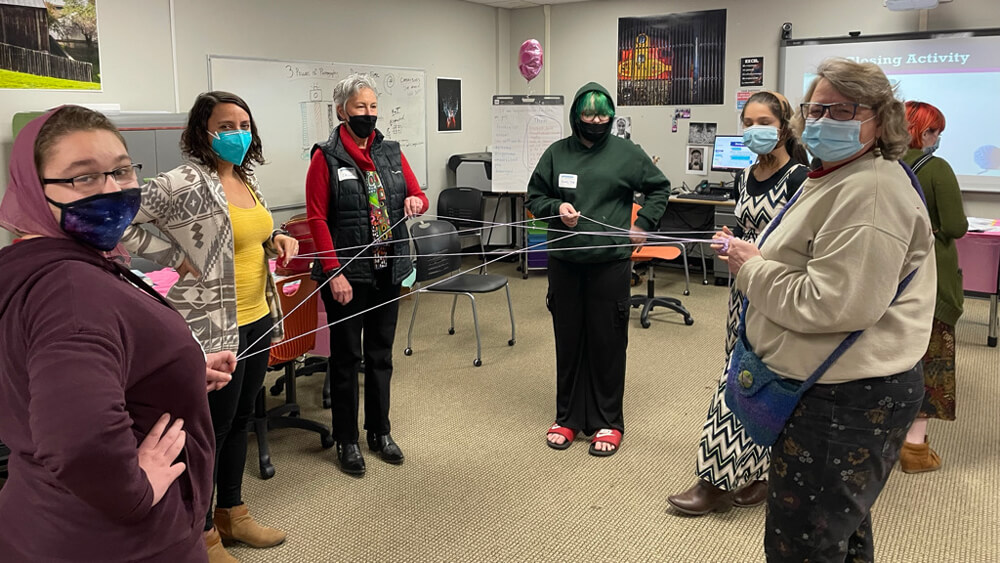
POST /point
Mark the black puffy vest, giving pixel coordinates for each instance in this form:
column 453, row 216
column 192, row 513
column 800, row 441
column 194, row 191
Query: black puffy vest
column 348, row 216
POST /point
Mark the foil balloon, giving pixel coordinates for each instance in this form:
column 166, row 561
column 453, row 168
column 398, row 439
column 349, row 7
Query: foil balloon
column 531, row 59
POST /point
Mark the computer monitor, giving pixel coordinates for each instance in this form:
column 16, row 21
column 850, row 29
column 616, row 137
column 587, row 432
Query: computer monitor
column 729, row 154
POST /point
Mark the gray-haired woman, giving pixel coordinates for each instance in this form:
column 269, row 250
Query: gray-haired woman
column 837, row 261
column 358, row 188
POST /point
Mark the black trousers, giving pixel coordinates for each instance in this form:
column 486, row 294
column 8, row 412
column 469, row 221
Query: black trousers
column 590, row 309
column 347, row 348
column 830, row 464
column 231, row 408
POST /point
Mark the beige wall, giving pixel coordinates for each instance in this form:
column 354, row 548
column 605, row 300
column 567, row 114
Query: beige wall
column 445, row 37
column 583, row 48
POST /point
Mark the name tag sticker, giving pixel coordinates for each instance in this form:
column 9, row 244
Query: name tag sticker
column 346, row 174
column 567, row 181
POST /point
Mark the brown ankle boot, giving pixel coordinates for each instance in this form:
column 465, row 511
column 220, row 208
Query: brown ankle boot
column 236, row 524
column 702, row 498
column 217, row 553
column 751, row 495
column 918, row 458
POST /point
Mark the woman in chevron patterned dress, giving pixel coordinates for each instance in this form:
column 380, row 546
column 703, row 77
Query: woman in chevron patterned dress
column 730, row 467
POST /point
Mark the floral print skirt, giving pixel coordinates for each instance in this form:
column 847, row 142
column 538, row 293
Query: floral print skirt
column 939, row 373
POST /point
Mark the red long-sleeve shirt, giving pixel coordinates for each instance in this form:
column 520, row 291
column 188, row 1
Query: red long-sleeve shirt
column 318, row 193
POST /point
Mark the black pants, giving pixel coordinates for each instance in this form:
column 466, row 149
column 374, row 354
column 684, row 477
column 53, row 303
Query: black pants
column 231, row 408
column 830, row 464
column 347, row 348
column 590, row 309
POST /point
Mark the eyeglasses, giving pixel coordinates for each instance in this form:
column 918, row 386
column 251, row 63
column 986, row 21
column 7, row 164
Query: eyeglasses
column 123, row 176
column 840, row 111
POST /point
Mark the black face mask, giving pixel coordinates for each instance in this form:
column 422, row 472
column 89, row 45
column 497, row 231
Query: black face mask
column 594, row 132
column 362, row 125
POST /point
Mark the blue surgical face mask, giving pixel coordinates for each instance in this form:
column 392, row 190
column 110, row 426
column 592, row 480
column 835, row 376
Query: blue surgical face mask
column 100, row 220
column 760, row 139
column 830, row 140
column 934, row 147
column 231, row 146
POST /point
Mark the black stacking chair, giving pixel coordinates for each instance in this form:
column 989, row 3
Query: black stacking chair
column 464, row 209
column 439, row 254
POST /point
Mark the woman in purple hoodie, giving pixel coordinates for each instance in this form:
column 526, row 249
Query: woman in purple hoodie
column 102, row 385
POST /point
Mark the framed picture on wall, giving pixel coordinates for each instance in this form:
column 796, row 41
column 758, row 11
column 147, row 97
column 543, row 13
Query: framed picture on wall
column 696, row 161
column 49, row 45
column 449, row 105
column 622, row 127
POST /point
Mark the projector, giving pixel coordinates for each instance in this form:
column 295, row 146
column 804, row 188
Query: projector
column 903, row 5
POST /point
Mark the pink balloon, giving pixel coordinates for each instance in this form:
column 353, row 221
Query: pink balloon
column 531, row 59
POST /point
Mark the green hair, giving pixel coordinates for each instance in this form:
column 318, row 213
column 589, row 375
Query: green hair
column 594, row 103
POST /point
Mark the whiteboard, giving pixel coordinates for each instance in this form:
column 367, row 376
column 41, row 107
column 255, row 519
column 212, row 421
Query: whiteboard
column 292, row 105
column 523, row 127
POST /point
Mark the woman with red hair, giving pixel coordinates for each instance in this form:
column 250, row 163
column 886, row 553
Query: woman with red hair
column 944, row 203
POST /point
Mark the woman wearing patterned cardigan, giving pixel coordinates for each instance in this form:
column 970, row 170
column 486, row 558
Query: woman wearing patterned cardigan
column 729, row 466
column 219, row 237
column 944, row 203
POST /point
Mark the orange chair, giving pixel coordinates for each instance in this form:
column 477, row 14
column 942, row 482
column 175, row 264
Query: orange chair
column 649, row 253
column 301, row 321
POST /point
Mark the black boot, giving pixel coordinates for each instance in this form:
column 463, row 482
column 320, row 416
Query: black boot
column 350, row 458
column 386, row 448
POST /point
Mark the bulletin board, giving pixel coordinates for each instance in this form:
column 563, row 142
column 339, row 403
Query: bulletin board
column 292, row 105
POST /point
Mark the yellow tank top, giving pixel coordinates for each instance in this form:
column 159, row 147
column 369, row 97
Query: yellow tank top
column 251, row 229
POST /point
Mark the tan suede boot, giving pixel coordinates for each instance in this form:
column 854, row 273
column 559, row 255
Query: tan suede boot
column 217, row 553
column 236, row 524
column 918, row 458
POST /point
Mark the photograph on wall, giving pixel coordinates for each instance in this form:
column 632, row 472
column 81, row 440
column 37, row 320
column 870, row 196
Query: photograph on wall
column 449, row 105
column 622, row 127
column 49, row 45
column 672, row 59
column 752, row 71
column 700, row 133
column 695, row 163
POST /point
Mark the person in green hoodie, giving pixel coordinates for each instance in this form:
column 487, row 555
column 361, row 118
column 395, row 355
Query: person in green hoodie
column 586, row 183
column 944, row 203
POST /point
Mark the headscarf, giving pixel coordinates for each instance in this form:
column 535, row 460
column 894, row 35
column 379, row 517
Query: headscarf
column 24, row 210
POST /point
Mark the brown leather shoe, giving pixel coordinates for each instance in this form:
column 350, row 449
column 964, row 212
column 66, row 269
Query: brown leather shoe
column 236, row 524
column 701, row 499
column 217, row 553
column 751, row 495
column 918, row 458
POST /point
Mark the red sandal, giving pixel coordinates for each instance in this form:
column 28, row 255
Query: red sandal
column 613, row 437
column 566, row 433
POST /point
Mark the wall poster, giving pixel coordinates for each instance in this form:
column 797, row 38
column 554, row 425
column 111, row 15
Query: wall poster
column 672, row 59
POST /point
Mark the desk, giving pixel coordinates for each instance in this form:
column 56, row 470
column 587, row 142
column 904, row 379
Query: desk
column 725, row 203
column 979, row 259
column 723, row 217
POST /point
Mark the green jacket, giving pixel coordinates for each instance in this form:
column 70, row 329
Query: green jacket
column 944, row 203
column 600, row 182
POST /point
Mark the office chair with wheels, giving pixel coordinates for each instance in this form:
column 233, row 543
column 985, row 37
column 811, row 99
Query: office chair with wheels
column 284, row 356
column 438, row 249
column 649, row 300
column 464, row 209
